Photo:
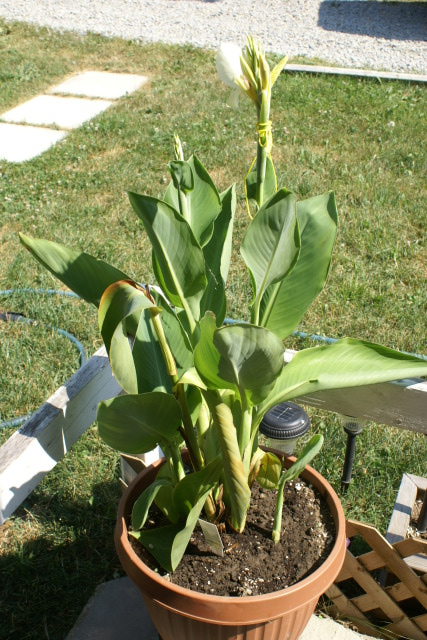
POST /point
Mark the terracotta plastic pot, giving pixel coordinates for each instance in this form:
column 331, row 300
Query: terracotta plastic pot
column 180, row 613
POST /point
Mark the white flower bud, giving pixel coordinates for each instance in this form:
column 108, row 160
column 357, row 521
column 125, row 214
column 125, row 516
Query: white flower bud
column 228, row 63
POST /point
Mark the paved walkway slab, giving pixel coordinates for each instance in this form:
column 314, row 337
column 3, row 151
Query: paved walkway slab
column 117, row 611
column 100, row 84
column 67, row 113
column 19, row 142
column 96, row 91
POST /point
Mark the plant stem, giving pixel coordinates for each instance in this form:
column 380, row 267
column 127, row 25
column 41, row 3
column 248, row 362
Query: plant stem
column 277, row 524
column 262, row 145
column 175, row 463
column 189, row 433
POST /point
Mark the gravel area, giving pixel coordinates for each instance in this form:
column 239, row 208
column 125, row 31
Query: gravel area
column 390, row 36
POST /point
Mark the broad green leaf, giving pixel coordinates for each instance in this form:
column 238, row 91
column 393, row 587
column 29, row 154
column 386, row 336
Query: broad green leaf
column 168, row 544
column 194, row 399
column 119, row 301
column 164, row 501
column 138, row 423
column 85, row 275
column 139, row 365
column 179, row 262
column 346, row 363
column 251, row 356
column 270, row 183
column 175, row 334
column 310, row 450
column 207, row 357
column 158, row 542
column 193, row 486
column 182, row 539
column 238, row 356
column 164, row 496
column 270, row 471
column 217, row 254
column 271, row 244
column 284, row 303
column 192, row 377
column 224, row 230
column 182, row 175
column 202, row 202
column 143, row 503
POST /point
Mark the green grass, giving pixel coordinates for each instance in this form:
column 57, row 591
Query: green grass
column 329, row 133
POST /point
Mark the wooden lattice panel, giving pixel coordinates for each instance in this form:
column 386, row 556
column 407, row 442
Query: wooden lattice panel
column 398, row 610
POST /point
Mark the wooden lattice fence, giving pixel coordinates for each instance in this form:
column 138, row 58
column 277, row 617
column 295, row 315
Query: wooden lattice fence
column 396, row 610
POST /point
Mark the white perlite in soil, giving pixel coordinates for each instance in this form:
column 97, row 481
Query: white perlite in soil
column 363, row 34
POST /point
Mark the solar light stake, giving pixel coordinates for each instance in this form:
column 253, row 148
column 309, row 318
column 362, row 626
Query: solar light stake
column 283, row 425
column 353, row 427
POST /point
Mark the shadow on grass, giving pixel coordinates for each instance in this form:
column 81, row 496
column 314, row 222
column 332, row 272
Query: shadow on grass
column 46, row 581
column 389, row 20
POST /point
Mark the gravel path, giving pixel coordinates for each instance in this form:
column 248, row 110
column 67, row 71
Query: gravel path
column 389, row 36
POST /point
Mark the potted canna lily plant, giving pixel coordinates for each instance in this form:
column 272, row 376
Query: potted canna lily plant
column 199, row 386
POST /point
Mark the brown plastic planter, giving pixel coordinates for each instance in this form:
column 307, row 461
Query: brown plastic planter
column 182, row 614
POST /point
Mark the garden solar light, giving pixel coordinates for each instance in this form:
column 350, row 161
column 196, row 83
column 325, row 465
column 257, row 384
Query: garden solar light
column 283, row 425
column 352, row 427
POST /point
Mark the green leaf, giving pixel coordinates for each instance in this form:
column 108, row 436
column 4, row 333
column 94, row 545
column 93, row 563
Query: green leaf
column 176, row 336
column 310, row 450
column 159, row 542
column 270, row 471
column 85, row 275
column 182, row 176
column 179, row 262
column 217, row 254
column 193, row 486
column 202, row 202
column 143, row 503
column 119, row 301
column 284, row 304
column 168, row 544
column 270, row 183
column 139, row 366
column 346, row 363
column 271, row 244
column 137, row 423
column 224, row 231
column 182, row 539
column 164, row 496
column 242, row 357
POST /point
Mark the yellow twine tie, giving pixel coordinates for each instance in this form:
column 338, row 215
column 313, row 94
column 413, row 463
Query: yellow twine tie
column 265, row 136
column 265, row 140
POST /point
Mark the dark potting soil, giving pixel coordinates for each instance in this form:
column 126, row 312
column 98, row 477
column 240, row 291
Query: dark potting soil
column 252, row 564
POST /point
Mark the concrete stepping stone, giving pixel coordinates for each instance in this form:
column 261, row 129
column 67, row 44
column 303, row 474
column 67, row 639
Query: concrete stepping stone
column 19, row 142
column 67, row 113
column 117, row 611
column 100, row 84
column 99, row 88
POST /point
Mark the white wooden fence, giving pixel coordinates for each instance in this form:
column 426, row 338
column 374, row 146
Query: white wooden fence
column 30, row 453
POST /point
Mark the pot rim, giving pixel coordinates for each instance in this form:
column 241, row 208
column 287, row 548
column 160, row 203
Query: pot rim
column 334, row 559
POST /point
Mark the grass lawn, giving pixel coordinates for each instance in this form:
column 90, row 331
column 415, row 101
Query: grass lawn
column 365, row 139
